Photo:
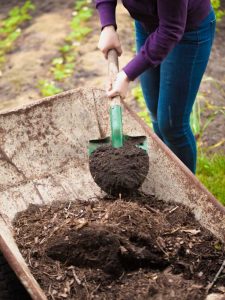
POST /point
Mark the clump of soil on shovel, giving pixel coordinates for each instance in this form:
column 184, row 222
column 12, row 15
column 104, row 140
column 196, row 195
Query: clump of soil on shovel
column 136, row 248
column 120, row 170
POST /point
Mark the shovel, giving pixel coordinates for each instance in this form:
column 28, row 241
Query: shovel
column 112, row 146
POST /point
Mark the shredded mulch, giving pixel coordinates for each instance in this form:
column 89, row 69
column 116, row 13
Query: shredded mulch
column 122, row 249
column 120, row 170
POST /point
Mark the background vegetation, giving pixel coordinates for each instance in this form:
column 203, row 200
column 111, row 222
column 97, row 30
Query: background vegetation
column 10, row 28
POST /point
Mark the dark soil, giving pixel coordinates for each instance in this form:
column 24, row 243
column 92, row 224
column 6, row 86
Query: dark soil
column 135, row 248
column 120, row 170
column 10, row 286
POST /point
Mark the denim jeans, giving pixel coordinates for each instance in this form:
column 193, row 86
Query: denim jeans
column 170, row 89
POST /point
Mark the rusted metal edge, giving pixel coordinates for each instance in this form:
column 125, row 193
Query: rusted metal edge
column 15, row 260
column 44, row 101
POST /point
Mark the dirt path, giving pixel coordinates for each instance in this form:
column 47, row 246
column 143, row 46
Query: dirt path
column 41, row 39
column 91, row 66
column 39, row 44
column 33, row 52
column 212, row 95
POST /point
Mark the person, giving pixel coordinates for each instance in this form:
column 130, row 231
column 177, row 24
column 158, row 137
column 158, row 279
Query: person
column 174, row 40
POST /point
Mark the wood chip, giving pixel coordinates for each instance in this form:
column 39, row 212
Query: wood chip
column 81, row 223
column 191, row 231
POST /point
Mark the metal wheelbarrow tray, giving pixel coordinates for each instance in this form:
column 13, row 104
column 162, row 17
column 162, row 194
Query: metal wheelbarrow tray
column 43, row 158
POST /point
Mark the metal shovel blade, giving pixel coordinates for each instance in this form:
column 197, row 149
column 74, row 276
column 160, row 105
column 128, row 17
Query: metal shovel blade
column 95, row 144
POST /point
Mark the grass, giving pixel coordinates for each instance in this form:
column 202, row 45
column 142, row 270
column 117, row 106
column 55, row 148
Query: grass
column 211, row 172
column 48, row 88
column 10, row 27
column 210, row 168
column 143, row 113
column 64, row 65
column 217, row 7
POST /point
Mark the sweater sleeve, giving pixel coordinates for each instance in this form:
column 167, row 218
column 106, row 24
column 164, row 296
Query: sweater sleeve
column 107, row 12
column 172, row 21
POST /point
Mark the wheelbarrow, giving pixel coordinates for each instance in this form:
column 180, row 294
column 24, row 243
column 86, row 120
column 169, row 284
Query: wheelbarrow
column 43, row 158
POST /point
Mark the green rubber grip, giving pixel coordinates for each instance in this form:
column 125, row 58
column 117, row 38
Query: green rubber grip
column 116, row 126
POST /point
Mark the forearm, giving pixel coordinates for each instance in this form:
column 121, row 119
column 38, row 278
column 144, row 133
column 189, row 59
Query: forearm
column 172, row 20
column 153, row 52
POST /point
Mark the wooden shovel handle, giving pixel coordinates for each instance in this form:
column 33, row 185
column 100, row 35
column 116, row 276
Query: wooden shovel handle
column 113, row 69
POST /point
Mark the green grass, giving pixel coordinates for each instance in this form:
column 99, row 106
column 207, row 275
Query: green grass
column 219, row 12
column 211, row 172
column 48, row 88
column 10, row 27
column 143, row 113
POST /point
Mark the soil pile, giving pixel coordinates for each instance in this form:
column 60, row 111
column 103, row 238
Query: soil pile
column 119, row 170
column 138, row 248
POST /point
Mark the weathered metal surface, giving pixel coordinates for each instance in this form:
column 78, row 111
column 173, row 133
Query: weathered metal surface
column 43, row 158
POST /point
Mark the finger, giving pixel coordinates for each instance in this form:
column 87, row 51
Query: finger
column 100, row 47
column 112, row 93
column 108, row 86
column 105, row 52
column 119, row 50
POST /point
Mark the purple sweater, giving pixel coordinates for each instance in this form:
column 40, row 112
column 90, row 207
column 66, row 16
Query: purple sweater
column 166, row 19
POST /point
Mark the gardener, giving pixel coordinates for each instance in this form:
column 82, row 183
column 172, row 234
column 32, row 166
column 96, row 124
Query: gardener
column 174, row 40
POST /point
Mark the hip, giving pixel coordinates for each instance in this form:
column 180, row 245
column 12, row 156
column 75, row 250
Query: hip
column 204, row 33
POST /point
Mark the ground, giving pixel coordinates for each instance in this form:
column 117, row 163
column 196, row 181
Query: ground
column 30, row 61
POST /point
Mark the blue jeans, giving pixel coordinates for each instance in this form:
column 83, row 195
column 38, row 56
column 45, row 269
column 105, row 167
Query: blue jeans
column 171, row 88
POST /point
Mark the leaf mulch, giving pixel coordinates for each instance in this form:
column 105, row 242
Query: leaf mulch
column 122, row 249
